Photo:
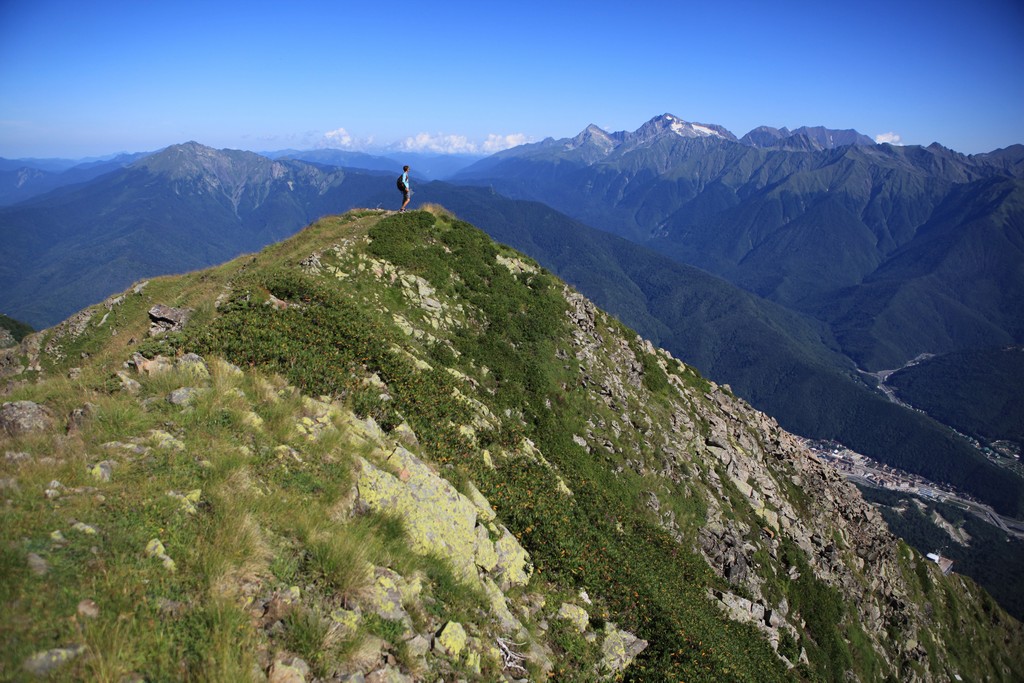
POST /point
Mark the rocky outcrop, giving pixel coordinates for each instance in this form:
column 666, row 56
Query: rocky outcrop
column 164, row 319
column 754, row 474
column 439, row 518
column 24, row 417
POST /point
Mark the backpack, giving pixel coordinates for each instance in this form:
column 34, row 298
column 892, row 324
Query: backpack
column 401, row 185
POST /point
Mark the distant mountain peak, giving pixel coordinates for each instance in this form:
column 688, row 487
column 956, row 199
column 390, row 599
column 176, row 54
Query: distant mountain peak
column 595, row 136
column 669, row 123
column 805, row 138
column 227, row 168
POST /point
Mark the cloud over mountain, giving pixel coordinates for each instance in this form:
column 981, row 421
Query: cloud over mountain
column 444, row 143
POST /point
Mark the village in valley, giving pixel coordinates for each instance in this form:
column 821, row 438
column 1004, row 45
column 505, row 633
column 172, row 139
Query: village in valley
column 864, row 471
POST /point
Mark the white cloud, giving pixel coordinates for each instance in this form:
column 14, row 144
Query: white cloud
column 338, row 138
column 441, row 143
column 496, row 143
column 889, row 138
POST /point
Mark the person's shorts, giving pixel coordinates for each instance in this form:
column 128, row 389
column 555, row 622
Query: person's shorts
column 405, row 194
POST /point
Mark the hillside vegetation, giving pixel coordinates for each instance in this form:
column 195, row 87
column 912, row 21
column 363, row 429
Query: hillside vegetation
column 389, row 448
column 782, row 362
column 978, row 392
column 12, row 331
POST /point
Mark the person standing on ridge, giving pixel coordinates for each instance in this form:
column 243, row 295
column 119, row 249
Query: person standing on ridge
column 403, row 185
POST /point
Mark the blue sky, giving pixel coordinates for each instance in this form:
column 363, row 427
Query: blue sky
column 91, row 78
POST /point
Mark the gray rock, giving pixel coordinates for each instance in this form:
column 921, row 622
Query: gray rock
column 23, row 417
column 45, row 662
column 417, row 646
column 388, row 674
column 290, row 670
column 37, row 564
column 128, row 384
column 183, row 396
column 194, row 365
column 88, row 609
column 167, row 319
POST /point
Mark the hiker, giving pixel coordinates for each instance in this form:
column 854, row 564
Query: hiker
column 403, row 185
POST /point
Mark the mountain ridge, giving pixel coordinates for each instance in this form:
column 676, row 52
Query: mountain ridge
column 639, row 520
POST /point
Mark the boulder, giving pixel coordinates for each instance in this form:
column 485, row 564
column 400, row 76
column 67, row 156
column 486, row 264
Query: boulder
column 438, row 517
column 45, row 662
column 24, row 417
column 619, row 649
column 452, row 639
column 289, row 670
column 167, row 319
column 577, row 616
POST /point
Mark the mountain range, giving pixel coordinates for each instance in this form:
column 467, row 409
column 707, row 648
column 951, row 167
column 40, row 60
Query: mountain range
column 849, row 240
column 190, row 206
column 863, row 237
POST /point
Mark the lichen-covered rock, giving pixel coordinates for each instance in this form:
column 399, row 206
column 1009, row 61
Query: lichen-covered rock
column 189, row 500
column 193, row 365
column 500, row 610
column 46, row 662
column 155, row 548
column 128, row 384
column 162, row 439
column 438, row 517
column 619, row 649
column 514, row 567
column 290, row 670
column 452, row 639
column 102, row 471
column 486, row 557
column 24, row 417
column 347, row 620
column 484, row 510
column 576, row 615
column 385, row 596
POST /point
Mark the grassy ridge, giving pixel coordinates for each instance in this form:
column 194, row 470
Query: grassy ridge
column 485, row 378
column 650, row 584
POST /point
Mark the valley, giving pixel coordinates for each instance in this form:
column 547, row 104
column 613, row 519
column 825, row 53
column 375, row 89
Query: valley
column 864, row 471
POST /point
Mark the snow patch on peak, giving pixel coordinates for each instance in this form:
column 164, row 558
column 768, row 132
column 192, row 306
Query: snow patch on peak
column 704, row 130
column 690, row 130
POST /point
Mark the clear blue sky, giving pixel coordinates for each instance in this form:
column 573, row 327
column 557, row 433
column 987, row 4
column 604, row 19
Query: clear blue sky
column 94, row 77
